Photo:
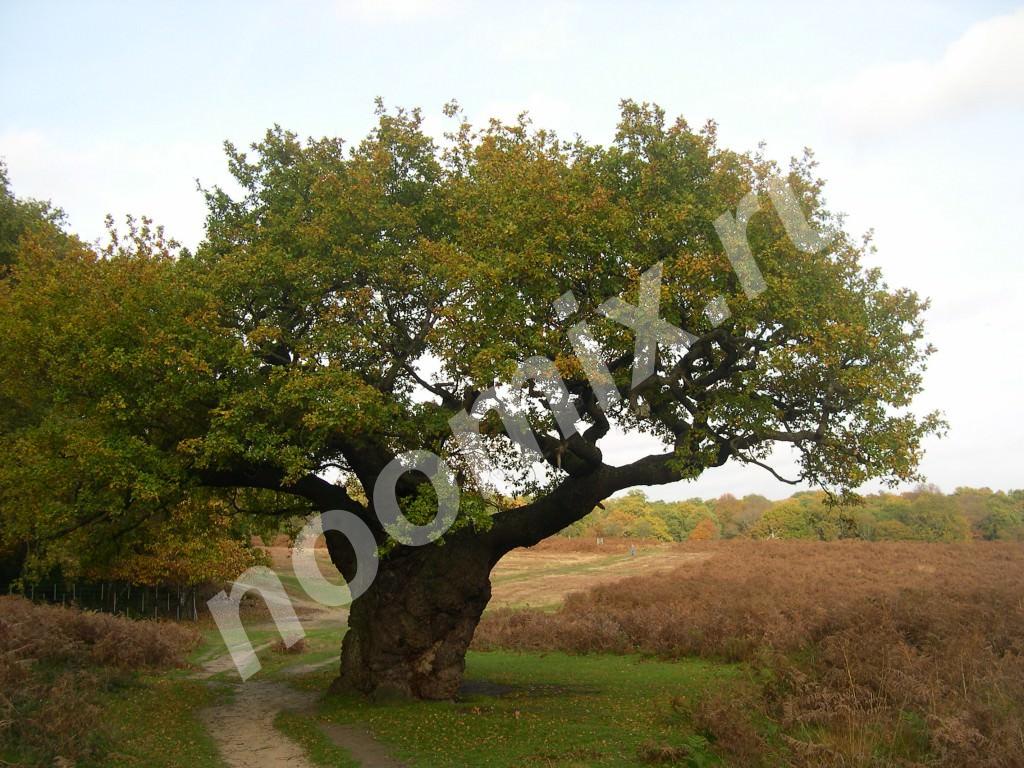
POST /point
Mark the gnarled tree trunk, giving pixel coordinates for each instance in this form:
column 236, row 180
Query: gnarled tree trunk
column 409, row 632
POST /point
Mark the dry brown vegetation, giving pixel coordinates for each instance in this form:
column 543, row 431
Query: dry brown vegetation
column 862, row 653
column 53, row 662
column 299, row 646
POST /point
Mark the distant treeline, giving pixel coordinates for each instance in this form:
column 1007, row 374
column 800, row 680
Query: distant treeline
column 924, row 514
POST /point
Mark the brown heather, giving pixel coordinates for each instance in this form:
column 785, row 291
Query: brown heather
column 865, row 654
column 53, row 660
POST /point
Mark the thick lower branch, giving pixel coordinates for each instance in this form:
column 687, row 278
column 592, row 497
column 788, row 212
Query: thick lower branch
column 319, row 492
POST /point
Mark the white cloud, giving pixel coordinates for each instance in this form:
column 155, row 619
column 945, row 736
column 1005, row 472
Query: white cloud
column 983, row 67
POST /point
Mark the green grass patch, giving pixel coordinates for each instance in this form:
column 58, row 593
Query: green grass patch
column 154, row 725
column 557, row 710
column 321, row 644
column 319, row 749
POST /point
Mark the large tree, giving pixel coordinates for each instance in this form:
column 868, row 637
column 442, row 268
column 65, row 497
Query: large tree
column 349, row 302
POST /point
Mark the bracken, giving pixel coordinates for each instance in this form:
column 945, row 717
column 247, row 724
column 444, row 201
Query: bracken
column 53, row 660
column 911, row 651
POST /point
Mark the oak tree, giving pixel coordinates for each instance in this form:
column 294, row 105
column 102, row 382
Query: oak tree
column 348, row 302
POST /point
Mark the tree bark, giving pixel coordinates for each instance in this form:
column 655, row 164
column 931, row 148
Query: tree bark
column 409, row 632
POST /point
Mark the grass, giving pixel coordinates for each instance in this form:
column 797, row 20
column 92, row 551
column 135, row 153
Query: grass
column 293, row 588
column 62, row 669
column 587, row 566
column 154, row 725
column 322, row 643
column 319, row 749
column 140, row 721
column 560, row 711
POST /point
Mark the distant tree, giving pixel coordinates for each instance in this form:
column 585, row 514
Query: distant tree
column 705, row 530
column 634, row 503
column 787, row 519
column 683, row 516
column 922, row 514
column 28, row 223
column 924, row 489
column 613, row 523
column 649, row 527
column 933, row 517
column 750, row 510
column 805, row 515
column 738, row 515
column 892, row 530
column 728, row 509
column 1003, row 519
column 862, row 523
column 974, row 504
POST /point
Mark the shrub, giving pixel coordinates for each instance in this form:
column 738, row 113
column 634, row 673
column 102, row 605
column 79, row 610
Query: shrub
column 53, row 662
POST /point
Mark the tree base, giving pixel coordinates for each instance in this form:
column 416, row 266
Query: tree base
column 408, row 634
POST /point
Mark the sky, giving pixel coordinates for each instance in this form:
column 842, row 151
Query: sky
column 915, row 112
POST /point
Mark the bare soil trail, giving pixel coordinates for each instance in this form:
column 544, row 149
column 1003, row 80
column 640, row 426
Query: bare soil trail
column 244, row 731
column 244, row 728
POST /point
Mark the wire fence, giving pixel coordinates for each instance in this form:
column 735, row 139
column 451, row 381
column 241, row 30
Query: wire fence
column 120, row 598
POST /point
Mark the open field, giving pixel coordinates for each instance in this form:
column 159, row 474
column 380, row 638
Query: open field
column 725, row 653
column 542, row 577
column 892, row 652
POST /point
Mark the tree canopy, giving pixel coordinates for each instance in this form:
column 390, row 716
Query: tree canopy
column 349, row 301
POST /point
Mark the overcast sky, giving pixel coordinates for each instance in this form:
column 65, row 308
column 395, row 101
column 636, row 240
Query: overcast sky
column 915, row 111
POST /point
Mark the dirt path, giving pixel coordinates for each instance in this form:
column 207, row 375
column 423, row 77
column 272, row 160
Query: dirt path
column 244, row 729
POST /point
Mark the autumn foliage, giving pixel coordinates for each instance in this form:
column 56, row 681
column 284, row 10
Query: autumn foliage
column 705, row 530
column 921, row 514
